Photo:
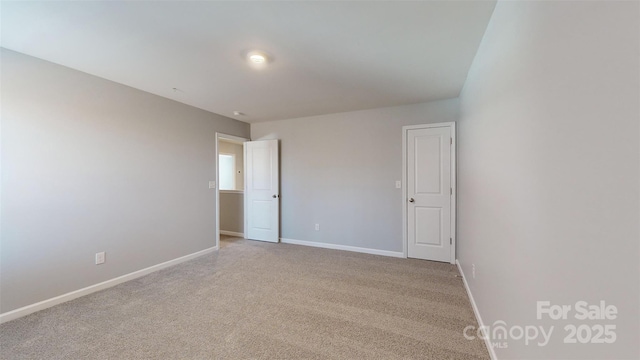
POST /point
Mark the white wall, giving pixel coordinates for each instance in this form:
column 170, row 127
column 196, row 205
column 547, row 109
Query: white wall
column 548, row 180
column 339, row 171
column 89, row 165
column 226, row 147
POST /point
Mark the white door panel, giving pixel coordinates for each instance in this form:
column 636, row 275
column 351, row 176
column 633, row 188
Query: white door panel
column 260, row 211
column 429, row 184
column 428, row 226
column 261, row 170
column 429, row 172
column 262, row 197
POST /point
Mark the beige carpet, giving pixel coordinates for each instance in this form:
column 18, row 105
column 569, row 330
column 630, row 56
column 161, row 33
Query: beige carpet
column 255, row 300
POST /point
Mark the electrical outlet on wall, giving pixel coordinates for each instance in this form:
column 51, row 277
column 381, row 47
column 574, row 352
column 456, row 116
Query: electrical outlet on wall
column 100, row 258
column 317, row 227
column 398, row 184
column 473, row 271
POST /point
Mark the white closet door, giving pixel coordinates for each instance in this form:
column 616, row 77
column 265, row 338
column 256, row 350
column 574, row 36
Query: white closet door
column 429, row 193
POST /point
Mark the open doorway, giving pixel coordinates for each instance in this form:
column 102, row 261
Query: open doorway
column 230, row 180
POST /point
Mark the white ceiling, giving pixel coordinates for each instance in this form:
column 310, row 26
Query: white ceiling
column 327, row 57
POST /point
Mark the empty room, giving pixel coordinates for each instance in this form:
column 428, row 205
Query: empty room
column 320, row 179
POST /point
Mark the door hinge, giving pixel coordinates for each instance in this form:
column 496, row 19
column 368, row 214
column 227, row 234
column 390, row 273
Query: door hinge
column 450, row 241
column 450, row 141
column 450, row 191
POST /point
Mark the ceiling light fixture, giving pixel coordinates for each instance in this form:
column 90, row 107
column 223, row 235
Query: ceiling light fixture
column 238, row 113
column 258, row 57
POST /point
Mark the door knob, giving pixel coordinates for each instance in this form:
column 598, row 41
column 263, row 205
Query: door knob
column 274, row 196
column 411, row 200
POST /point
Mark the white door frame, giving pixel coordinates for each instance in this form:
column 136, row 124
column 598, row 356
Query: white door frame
column 218, row 137
column 405, row 239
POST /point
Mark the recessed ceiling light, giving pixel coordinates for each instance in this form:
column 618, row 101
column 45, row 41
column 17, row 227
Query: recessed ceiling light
column 238, row 113
column 257, row 57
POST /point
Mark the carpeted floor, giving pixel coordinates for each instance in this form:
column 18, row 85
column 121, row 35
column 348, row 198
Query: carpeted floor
column 256, row 300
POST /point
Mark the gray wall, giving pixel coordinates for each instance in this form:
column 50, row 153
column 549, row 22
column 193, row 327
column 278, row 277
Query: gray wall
column 89, row 165
column 339, row 171
column 232, row 211
column 548, row 180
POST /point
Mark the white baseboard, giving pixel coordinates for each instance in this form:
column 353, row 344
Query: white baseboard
column 29, row 309
column 487, row 341
column 397, row 254
column 231, row 233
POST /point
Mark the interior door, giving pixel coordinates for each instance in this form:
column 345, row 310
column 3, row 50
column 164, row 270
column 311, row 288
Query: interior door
column 262, row 196
column 429, row 193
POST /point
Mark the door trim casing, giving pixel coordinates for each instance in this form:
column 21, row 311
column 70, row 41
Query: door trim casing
column 405, row 238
